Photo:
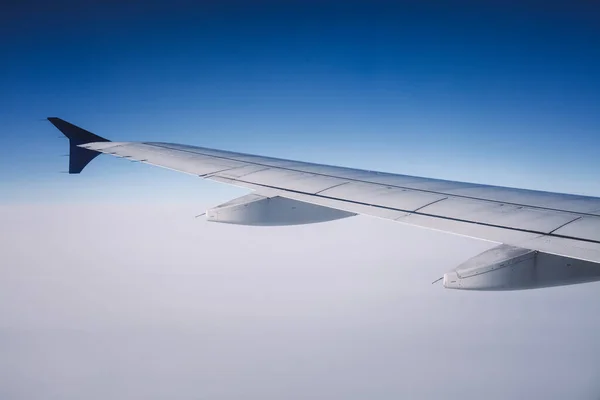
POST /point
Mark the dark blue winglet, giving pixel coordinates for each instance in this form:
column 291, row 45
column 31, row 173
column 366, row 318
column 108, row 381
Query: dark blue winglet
column 78, row 156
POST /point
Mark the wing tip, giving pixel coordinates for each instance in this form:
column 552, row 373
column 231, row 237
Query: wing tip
column 79, row 157
column 76, row 134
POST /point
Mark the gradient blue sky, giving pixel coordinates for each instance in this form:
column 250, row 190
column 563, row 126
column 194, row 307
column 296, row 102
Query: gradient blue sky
column 125, row 295
column 506, row 95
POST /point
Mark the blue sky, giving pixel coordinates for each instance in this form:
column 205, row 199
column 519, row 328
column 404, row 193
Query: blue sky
column 109, row 288
column 494, row 94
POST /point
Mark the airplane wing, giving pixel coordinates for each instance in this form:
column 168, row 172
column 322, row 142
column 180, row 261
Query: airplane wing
column 545, row 239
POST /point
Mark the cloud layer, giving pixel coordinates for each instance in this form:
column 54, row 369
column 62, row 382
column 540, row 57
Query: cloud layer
column 123, row 301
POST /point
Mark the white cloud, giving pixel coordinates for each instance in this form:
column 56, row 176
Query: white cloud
column 124, row 301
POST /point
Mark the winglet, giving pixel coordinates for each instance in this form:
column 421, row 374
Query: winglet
column 78, row 156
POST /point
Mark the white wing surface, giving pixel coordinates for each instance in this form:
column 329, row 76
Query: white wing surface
column 555, row 224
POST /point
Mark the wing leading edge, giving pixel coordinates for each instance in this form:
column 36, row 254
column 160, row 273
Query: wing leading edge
column 549, row 223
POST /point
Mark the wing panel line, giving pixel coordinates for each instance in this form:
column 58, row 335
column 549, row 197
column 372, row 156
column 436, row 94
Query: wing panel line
column 331, row 187
column 565, row 224
column 250, row 173
column 428, row 204
column 209, row 174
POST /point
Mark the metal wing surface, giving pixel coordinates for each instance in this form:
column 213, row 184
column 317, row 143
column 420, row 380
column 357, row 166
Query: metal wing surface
column 559, row 223
column 553, row 223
